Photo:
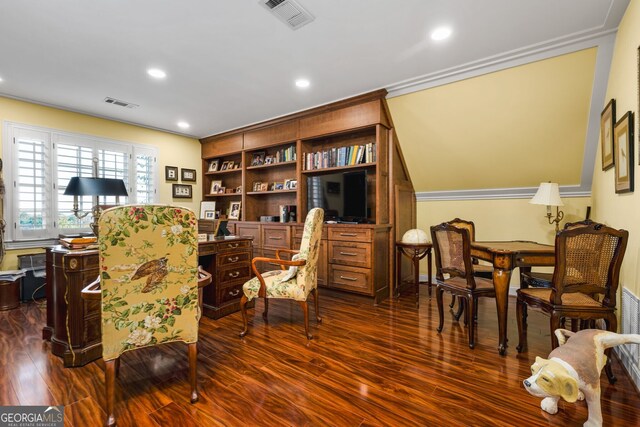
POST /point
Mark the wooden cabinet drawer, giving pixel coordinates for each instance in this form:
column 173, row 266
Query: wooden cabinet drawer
column 350, row 278
column 299, row 229
column 275, row 237
column 349, row 253
column 234, row 274
column 231, row 245
column 350, row 234
column 234, row 258
column 249, row 230
column 229, row 293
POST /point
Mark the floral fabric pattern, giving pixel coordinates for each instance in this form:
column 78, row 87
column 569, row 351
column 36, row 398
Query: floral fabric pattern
column 306, row 278
column 149, row 277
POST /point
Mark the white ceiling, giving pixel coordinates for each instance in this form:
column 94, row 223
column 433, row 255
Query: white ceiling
column 232, row 63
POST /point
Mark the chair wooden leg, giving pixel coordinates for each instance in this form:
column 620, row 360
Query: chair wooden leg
column 439, row 296
column 554, row 323
column 611, row 324
column 305, row 312
column 317, row 306
column 193, row 369
column 521, row 316
column 471, row 311
column 458, row 313
column 475, row 315
column 110, row 380
column 265, row 313
column 243, row 310
column 453, row 301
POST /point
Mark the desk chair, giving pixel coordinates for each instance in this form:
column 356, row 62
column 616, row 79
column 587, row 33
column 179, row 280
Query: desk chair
column 295, row 283
column 452, row 246
column 584, row 284
column 148, row 285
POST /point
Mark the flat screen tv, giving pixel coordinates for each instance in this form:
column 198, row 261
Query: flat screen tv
column 343, row 195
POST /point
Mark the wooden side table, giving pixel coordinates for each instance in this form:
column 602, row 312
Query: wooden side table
column 415, row 252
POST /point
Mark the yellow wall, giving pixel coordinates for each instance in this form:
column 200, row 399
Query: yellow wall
column 173, row 150
column 499, row 129
column 622, row 210
column 503, row 219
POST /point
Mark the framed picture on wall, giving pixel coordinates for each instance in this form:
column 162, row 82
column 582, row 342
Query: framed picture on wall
column 607, row 121
column 188, row 174
column 623, row 151
column 171, row 173
column 181, row 191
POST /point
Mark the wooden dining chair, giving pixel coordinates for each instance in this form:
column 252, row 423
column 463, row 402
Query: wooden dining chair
column 295, row 280
column 452, row 247
column 584, row 284
column 479, row 270
column 148, row 287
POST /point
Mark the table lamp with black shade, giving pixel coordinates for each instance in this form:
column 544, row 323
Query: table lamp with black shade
column 79, row 186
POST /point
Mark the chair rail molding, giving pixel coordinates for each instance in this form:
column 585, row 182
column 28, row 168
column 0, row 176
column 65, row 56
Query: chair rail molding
column 499, row 193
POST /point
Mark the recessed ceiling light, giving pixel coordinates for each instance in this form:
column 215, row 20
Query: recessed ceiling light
column 156, row 73
column 0, row 79
column 302, row 83
column 183, row 125
column 441, row 33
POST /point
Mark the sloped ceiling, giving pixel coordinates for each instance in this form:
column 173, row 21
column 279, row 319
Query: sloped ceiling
column 511, row 128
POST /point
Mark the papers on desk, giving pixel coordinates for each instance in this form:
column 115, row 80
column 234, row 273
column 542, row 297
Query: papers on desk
column 11, row 275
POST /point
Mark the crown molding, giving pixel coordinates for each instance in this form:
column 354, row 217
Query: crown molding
column 567, row 191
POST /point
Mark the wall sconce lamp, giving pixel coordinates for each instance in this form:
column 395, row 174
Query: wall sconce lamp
column 95, row 187
column 549, row 194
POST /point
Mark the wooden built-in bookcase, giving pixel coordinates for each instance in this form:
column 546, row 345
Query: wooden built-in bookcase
column 363, row 121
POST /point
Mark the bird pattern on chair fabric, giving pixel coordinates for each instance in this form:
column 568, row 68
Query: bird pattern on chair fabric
column 149, row 277
column 299, row 287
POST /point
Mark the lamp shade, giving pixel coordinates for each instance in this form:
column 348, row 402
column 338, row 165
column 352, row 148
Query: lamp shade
column 548, row 194
column 95, row 187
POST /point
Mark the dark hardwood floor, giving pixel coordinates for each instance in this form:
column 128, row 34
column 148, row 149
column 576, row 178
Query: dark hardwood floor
column 366, row 366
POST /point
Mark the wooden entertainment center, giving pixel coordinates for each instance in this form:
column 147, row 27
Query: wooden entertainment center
column 355, row 258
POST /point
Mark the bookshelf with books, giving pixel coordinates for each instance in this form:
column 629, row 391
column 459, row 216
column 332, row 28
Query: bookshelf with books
column 222, row 166
column 280, row 156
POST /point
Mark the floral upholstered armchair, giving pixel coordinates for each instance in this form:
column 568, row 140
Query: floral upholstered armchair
column 148, row 284
column 295, row 282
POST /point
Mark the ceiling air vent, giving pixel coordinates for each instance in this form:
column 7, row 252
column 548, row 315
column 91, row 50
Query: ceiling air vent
column 120, row 103
column 289, row 12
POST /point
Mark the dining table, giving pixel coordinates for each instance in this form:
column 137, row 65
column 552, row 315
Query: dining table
column 505, row 256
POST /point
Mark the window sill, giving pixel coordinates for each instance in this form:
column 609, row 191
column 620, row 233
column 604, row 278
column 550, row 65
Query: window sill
column 29, row 244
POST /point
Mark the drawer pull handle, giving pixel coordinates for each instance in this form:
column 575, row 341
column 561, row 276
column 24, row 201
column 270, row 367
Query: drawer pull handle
column 234, row 274
column 348, row 253
column 352, row 279
column 233, row 245
column 275, row 238
column 520, row 259
column 349, row 234
column 234, row 259
column 234, row 293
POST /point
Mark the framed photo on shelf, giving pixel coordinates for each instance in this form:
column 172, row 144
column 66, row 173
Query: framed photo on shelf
column 269, row 160
column 264, row 186
column 234, row 210
column 229, row 165
column 257, row 158
column 215, row 187
column 213, row 165
column 209, row 214
column 188, row 174
column 290, row 184
column 171, row 173
column 623, row 151
column 237, row 165
column 279, row 185
column 256, row 185
column 224, row 166
column 181, row 191
column 206, row 207
column 272, row 186
column 239, row 189
column 607, row 122
column 222, row 190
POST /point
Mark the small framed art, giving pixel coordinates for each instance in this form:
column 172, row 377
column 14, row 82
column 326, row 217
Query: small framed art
column 623, row 151
column 182, row 191
column 234, row 210
column 607, row 121
column 171, row 173
column 209, row 214
column 213, row 165
column 257, row 159
column 206, row 207
column 188, row 174
column 215, row 187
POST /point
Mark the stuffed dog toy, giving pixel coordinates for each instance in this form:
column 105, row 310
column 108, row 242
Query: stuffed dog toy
column 572, row 371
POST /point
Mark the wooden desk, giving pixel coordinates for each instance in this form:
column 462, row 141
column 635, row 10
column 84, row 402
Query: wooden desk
column 505, row 256
column 68, row 272
column 415, row 252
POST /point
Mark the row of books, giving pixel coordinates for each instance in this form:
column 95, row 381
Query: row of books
column 342, row 156
column 286, row 154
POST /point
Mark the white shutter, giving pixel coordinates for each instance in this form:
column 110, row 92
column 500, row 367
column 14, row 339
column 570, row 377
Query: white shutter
column 73, row 160
column 144, row 188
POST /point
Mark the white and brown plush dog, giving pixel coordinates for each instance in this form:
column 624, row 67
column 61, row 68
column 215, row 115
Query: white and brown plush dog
column 572, row 370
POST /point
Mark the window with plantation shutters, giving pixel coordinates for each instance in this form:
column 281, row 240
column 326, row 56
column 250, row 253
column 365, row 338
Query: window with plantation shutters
column 42, row 163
